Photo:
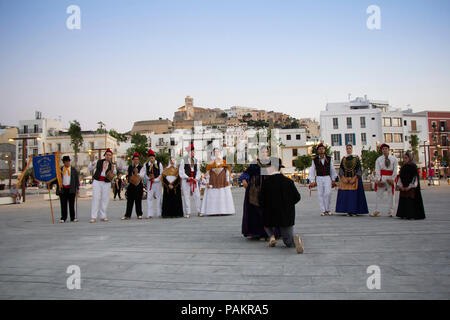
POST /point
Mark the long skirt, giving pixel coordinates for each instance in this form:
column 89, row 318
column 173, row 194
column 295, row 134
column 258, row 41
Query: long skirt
column 172, row 205
column 217, row 201
column 411, row 208
column 352, row 201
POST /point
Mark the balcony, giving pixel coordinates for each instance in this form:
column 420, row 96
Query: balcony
column 30, row 132
column 162, row 144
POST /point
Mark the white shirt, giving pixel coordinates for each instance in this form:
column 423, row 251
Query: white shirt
column 66, row 177
column 380, row 165
column 312, row 171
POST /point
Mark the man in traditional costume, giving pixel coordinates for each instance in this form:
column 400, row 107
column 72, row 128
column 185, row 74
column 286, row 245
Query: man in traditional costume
column 152, row 172
column 190, row 175
column 410, row 204
column 351, row 198
column 172, row 205
column 217, row 199
column 101, row 186
column 278, row 198
column 70, row 187
column 135, row 188
column 323, row 175
column 385, row 175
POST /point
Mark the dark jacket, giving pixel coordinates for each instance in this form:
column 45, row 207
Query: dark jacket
column 74, row 181
column 278, row 198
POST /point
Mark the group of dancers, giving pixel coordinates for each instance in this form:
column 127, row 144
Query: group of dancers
column 166, row 187
column 351, row 198
column 270, row 197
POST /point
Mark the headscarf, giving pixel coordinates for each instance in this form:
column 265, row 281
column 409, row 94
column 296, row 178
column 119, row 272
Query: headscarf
column 408, row 170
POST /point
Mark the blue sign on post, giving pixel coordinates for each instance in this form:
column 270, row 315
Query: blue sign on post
column 46, row 168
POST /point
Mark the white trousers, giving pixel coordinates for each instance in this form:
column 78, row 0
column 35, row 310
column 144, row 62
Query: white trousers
column 154, row 196
column 324, row 192
column 186, row 189
column 390, row 198
column 100, row 198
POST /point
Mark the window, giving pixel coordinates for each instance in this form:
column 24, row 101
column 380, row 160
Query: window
column 293, row 163
column 388, row 137
column 335, row 123
column 91, row 145
column 387, row 122
column 297, row 137
column 294, row 152
column 288, row 137
column 362, row 121
column 58, row 147
column 444, row 140
column 337, row 156
column 172, row 141
column 405, row 123
column 396, row 122
column 336, row 140
column 36, row 128
column 50, row 148
column 406, row 138
column 349, row 123
column 443, row 126
column 398, row 137
column 363, row 139
column 25, row 129
column 413, row 125
column 350, row 139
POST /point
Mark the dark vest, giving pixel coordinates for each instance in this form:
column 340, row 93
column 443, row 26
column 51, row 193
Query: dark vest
column 130, row 170
column 322, row 170
column 99, row 169
column 187, row 169
column 156, row 172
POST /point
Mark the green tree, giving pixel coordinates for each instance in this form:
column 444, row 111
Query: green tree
column 302, row 162
column 120, row 137
column 76, row 139
column 414, row 142
column 163, row 156
column 368, row 159
column 140, row 145
column 101, row 128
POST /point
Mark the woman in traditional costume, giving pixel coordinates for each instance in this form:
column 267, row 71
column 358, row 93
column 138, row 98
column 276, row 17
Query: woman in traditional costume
column 351, row 198
column 172, row 205
column 410, row 204
column 217, row 199
column 252, row 179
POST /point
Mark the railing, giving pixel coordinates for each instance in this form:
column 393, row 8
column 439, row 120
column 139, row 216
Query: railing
column 30, row 131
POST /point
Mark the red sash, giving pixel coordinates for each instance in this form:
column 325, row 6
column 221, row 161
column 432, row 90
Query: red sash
column 192, row 182
column 385, row 173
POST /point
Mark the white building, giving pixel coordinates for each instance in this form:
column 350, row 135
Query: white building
column 39, row 128
column 415, row 124
column 92, row 141
column 293, row 144
column 363, row 123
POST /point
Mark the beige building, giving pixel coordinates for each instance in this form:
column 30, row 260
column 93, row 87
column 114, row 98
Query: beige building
column 157, row 126
column 7, row 133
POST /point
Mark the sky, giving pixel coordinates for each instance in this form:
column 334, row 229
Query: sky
column 137, row 60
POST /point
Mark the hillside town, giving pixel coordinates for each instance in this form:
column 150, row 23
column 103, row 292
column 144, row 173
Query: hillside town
column 361, row 122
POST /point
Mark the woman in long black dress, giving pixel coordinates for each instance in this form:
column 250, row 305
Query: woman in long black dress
column 171, row 205
column 410, row 204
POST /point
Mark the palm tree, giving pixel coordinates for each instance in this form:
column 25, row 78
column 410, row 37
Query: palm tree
column 76, row 138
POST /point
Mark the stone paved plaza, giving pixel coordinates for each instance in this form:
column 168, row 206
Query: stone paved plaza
column 207, row 257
